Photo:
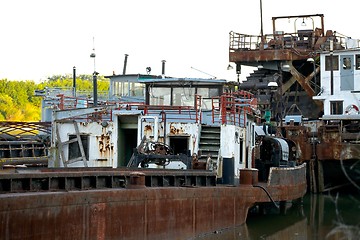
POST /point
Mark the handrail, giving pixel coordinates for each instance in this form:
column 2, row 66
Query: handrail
column 233, row 108
column 230, row 107
column 302, row 39
column 198, row 101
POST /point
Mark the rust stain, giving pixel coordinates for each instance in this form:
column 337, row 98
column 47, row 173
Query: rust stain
column 174, row 130
column 98, row 220
column 300, row 136
column 329, row 146
column 148, row 130
column 104, row 145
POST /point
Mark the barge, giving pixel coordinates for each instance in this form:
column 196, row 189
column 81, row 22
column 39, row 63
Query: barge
column 178, row 163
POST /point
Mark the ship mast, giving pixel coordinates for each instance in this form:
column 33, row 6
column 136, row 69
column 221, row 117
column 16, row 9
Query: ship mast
column 261, row 22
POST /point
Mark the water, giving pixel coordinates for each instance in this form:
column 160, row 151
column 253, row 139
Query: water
column 320, row 216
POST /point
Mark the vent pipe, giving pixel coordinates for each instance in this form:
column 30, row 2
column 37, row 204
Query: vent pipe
column 74, row 81
column 95, row 88
column 163, row 68
column 125, row 63
column 93, row 55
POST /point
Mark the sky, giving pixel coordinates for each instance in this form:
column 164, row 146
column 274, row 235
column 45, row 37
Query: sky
column 42, row 38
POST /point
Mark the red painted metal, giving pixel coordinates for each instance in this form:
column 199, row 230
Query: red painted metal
column 198, row 108
column 233, row 108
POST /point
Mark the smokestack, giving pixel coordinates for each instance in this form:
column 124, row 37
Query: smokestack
column 74, row 80
column 163, row 68
column 125, row 63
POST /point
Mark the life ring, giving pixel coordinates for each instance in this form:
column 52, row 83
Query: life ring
column 352, row 109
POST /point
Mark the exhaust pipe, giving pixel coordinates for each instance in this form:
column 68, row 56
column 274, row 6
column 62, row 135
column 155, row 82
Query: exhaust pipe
column 163, row 68
column 95, row 88
column 74, row 81
column 125, row 63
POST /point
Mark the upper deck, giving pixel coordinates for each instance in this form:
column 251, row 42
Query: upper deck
column 303, row 40
column 206, row 101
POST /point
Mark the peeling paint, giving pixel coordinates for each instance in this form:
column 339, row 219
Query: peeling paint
column 104, row 145
column 148, row 130
column 174, row 130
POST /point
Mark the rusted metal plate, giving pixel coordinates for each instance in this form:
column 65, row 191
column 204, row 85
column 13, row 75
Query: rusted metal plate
column 337, row 151
column 269, row 55
column 328, row 151
column 282, row 176
column 152, row 213
column 300, row 135
column 126, row 214
column 134, row 213
column 67, row 179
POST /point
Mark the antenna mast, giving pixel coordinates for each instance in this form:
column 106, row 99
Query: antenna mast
column 93, row 55
column 203, row 72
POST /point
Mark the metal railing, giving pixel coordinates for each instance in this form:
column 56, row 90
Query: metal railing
column 303, row 39
column 228, row 108
column 24, row 142
column 233, row 108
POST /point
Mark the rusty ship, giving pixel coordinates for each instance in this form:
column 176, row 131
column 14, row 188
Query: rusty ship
column 161, row 157
column 305, row 80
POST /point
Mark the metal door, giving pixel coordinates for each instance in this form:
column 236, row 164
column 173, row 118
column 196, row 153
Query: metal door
column 347, row 73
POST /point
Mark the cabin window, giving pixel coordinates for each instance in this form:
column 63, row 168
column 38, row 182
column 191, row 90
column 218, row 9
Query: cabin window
column 206, row 95
column 74, row 149
column 208, row 92
column 336, row 107
column 160, row 96
column 128, row 89
column 125, row 89
column 183, row 96
column 346, row 63
column 335, row 61
column 203, row 92
column 137, row 89
column 116, row 88
column 357, row 57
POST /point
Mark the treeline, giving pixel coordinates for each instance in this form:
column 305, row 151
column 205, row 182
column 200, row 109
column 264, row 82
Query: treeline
column 18, row 102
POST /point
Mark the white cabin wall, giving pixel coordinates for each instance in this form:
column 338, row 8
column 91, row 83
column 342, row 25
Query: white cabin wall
column 100, row 144
column 230, row 138
column 250, row 142
column 326, row 79
column 349, row 97
column 115, row 139
column 154, row 131
column 191, row 130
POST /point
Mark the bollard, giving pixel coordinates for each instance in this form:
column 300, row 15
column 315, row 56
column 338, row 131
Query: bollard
column 249, row 176
column 137, row 180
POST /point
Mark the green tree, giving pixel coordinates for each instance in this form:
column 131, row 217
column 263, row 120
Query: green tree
column 8, row 109
column 18, row 102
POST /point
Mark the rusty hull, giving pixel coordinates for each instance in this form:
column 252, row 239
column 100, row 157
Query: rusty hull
column 148, row 213
column 337, row 145
column 158, row 213
column 337, row 151
column 138, row 211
